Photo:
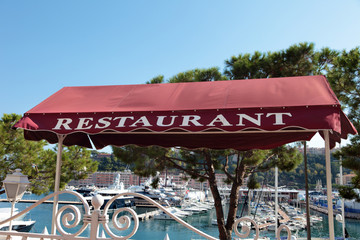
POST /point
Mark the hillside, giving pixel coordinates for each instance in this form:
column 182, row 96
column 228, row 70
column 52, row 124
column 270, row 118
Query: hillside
column 316, row 171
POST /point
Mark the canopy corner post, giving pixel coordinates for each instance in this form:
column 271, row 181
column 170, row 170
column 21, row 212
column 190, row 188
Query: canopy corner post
column 276, row 198
column 329, row 185
column 61, row 138
column 308, row 228
column 342, row 199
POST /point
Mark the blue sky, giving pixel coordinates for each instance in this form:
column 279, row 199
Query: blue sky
column 46, row 45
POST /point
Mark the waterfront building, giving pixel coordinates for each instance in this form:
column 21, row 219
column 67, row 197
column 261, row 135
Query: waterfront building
column 268, row 194
column 128, row 178
column 316, row 150
column 346, row 179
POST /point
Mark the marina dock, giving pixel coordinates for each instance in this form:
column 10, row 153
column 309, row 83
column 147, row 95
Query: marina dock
column 335, row 211
column 46, row 202
column 284, row 216
column 265, row 225
column 148, row 215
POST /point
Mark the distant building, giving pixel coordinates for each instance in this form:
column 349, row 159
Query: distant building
column 268, row 194
column 315, row 151
column 82, row 183
column 346, row 179
column 128, row 178
column 100, row 156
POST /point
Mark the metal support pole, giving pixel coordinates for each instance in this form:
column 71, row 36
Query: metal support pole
column 276, row 198
column 249, row 202
column 329, row 186
column 308, row 229
column 342, row 199
column 57, row 181
column 11, row 214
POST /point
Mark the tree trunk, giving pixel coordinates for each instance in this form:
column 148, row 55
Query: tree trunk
column 234, row 197
column 223, row 233
column 225, row 229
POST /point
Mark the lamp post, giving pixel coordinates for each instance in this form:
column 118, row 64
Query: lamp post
column 15, row 185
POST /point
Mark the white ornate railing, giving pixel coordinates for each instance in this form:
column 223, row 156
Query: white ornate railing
column 120, row 222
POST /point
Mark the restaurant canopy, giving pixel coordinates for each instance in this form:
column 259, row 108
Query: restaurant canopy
column 238, row 114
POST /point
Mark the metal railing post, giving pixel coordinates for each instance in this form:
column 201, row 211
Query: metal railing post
column 97, row 201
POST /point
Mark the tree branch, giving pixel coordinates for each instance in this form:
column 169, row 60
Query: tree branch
column 225, row 169
column 189, row 171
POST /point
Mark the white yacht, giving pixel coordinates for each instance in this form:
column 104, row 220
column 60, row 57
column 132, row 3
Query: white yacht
column 173, row 210
column 18, row 224
column 147, row 191
column 110, row 192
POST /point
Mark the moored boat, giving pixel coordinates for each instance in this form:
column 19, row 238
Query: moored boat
column 19, row 224
column 112, row 191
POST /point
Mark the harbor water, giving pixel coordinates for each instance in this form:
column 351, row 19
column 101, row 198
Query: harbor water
column 157, row 229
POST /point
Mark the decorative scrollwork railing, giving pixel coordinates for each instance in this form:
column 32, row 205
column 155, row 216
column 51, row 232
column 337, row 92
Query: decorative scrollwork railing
column 280, row 229
column 74, row 215
column 69, row 217
column 245, row 228
column 156, row 204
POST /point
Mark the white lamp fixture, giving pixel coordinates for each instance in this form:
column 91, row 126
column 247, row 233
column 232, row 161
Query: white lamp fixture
column 15, row 185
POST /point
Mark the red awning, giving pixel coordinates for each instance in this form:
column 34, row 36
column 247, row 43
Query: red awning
column 239, row 114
